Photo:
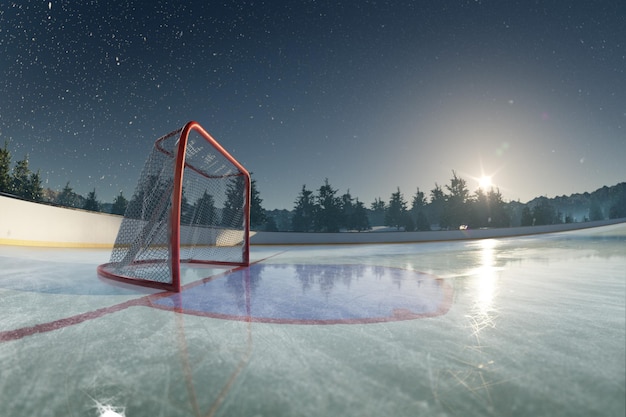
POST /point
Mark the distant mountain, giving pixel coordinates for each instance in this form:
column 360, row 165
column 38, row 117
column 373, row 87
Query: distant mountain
column 604, row 203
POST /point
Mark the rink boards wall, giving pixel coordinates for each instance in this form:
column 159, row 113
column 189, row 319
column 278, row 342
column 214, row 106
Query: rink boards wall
column 24, row 223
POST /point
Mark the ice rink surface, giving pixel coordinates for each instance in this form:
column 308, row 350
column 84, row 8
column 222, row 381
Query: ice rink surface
column 527, row 326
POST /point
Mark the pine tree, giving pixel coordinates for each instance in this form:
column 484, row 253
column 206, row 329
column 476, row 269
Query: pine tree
column 527, row 217
column 419, row 201
column 67, row 197
column 19, row 182
column 421, row 222
column 205, row 212
column 499, row 217
column 232, row 213
column 303, row 212
column 455, row 211
column 618, row 207
column 91, row 203
column 418, row 205
column 34, row 189
column 5, row 169
column 119, row 204
column 359, row 217
column 437, row 205
column 257, row 214
column 396, row 210
column 378, row 209
column 328, row 214
column 347, row 210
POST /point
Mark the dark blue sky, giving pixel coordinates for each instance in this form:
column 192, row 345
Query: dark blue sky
column 371, row 95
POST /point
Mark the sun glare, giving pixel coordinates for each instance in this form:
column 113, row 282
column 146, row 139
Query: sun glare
column 484, row 182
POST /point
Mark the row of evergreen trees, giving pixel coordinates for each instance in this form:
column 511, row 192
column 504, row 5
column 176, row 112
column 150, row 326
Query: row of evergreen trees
column 328, row 212
column 448, row 207
column 202, row 209
column 452, row 206
column 22, row 182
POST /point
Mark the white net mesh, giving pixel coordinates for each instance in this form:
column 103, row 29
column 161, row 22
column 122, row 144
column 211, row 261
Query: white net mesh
column 212, row 212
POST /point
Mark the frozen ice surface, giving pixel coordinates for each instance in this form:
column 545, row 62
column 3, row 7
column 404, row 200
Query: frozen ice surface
column 536, row 327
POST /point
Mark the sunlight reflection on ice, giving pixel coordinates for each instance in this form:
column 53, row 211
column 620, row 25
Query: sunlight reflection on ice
column 106, row 410
column 484, row 312
column 487, row 277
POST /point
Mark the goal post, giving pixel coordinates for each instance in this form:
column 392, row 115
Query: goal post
column 191, row 205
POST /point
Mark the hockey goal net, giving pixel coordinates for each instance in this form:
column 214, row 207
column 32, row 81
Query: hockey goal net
column 191, row 204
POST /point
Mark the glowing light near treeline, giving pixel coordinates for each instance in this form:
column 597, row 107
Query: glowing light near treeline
column 484, row 182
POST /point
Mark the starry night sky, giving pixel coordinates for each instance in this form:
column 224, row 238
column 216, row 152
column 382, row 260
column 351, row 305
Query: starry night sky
column 369, row 94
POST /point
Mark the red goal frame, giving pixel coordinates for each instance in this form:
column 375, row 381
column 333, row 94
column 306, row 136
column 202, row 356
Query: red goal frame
column 105, row 271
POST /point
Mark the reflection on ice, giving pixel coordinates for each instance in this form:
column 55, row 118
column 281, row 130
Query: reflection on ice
column 483, row 312
column 313, row 294
column 487, row 278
